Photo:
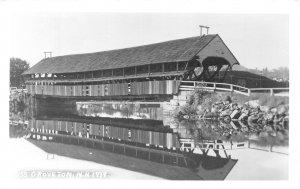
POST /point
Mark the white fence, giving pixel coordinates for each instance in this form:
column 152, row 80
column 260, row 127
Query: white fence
column 211, row 86
column 190, row 144
column 211, row 144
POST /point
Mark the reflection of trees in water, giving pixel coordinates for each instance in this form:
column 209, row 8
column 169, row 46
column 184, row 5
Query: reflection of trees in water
column 20, row 107
column 17, row 131
column 191, row 127
column 82, row 111
column 19, row 110
column 107, row 108
column 210, row 131
column 89, row 109
column 127, row 110
column 124, row 109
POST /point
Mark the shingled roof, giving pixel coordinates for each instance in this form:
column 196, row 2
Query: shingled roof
column 169, row 51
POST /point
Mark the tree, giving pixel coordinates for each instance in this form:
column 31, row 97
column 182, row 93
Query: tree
column 265, row 71
column 17, row 67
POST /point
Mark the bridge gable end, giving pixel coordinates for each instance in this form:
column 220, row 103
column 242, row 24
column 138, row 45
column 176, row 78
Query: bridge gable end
column 217, row 48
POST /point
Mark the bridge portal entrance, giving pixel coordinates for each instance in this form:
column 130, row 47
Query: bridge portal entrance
column 207, row 70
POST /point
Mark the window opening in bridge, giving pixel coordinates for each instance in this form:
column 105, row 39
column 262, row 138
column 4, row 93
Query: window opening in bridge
column 72, row 76
column 130, row 71
column 169, row 67
column 154, row 68
column 88, row 75
column 97, row 74
column 118, row 72
column 107, row 73
column 142, row 69
column 80, row 75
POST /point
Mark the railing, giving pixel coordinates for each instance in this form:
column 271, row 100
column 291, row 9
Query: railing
column 211, row 86
column 211, row 145
column 18, row 122
column 272, row 91
column 281, row 149
column 18, row 91
column 215, row 145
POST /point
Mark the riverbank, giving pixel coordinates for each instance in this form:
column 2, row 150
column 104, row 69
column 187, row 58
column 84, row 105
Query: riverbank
column 238, row 117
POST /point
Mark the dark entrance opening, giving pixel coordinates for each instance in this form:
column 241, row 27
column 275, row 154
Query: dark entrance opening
column 208, row 70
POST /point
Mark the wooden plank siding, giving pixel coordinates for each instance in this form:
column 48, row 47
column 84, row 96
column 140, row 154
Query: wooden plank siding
column 136, row 88
column 168, row 140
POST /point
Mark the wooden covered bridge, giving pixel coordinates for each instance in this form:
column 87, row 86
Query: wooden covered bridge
column 144, row 70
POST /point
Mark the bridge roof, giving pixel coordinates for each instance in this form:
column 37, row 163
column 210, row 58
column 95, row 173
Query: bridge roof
column 170, row 51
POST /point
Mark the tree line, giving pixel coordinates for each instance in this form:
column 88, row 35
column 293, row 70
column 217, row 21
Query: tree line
column 17, row 67
column 280, row 74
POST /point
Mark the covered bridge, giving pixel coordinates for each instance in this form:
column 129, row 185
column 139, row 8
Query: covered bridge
column 150, row 69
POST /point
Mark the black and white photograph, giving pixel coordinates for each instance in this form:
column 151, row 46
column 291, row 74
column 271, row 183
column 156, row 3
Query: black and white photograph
column 149, row 95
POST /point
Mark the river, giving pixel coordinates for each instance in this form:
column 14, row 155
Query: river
column 148, row 139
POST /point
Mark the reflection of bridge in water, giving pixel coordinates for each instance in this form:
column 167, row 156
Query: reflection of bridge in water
column 161, row 148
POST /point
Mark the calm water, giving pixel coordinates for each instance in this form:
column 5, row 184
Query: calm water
column 146, row 132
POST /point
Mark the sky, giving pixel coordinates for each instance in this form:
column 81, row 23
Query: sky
column 256, row 40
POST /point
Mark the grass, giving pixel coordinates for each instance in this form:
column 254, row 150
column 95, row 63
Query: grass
column 270, row 101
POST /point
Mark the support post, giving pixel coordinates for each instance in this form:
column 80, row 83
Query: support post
column 102, row 143
column 272, row 92
column 249, row 92
column 186, row 65
column 135, row 149
column 223, row 78
column 224, row 151
column 186, row 164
